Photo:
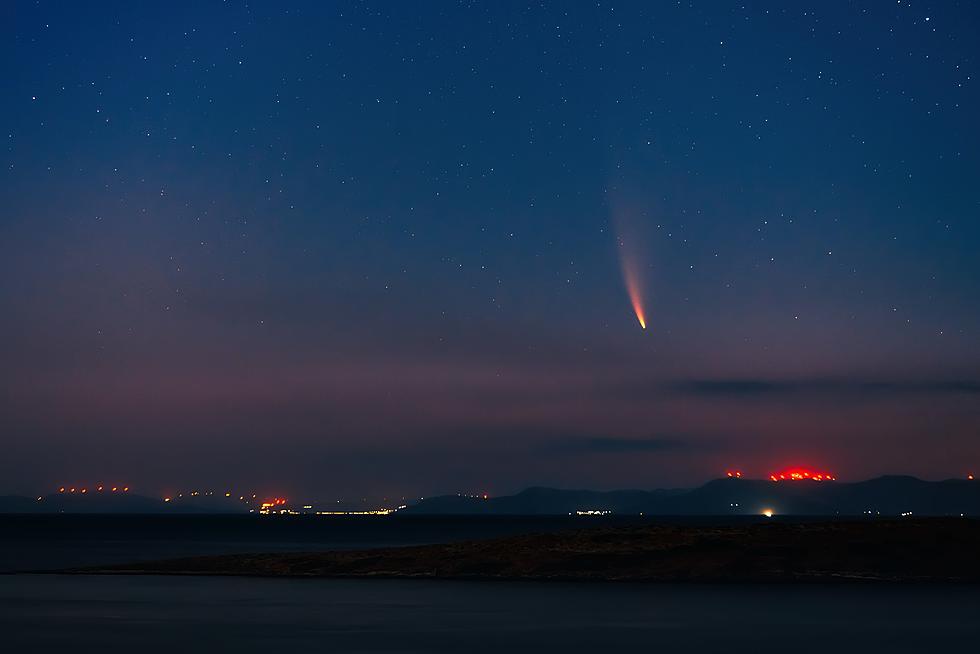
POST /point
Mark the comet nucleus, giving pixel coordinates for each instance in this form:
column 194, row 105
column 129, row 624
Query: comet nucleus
column 634, row 288
column 632, row 253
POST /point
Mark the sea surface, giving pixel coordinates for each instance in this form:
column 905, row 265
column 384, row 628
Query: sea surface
column 83, row 613
column 51, row 542
column 55, row 613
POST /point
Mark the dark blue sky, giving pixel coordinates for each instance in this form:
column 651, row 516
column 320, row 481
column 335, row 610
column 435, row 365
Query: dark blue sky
column 334, row 248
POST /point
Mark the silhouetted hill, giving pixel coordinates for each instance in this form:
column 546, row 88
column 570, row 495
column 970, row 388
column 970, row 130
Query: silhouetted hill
column 890, row 495
column 905, row 549
column 17, row 504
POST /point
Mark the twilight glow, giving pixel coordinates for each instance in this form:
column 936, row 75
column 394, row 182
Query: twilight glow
column 377, row 249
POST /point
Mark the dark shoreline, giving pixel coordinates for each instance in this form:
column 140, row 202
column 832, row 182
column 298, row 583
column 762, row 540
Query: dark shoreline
column 888, row 551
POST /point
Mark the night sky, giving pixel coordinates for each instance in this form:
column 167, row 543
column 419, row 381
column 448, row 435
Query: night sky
column 332, row 249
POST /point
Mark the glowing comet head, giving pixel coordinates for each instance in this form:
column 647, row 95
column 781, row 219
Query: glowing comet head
column 639, row 314
column 634, row 288
column 630, row 239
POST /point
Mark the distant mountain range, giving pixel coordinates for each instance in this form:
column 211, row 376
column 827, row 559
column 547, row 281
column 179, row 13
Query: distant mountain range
column 886, row 496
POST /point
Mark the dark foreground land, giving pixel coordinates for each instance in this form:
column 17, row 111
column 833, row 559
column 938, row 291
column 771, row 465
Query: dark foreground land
column 930, row 550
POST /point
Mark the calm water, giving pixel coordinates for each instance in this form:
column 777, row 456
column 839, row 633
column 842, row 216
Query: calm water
column 46, row 542
column 55, row 613
column 167, row 614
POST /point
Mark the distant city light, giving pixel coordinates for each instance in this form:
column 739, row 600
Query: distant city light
column 267, row 507
column 734, row 474
column 768, row 513
column 368, row 512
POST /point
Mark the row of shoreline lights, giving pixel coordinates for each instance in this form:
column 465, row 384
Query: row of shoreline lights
column 786, row 475
column 241, row 498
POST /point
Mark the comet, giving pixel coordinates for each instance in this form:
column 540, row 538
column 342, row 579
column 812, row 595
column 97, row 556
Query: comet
column 631, row 256
column 634, row 289
column 632, row 241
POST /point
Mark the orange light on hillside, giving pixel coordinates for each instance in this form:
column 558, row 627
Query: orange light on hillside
column 800, row 474
column 734, row 474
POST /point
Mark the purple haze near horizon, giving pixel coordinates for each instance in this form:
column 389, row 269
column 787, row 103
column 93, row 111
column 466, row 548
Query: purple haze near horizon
column 344, row 249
